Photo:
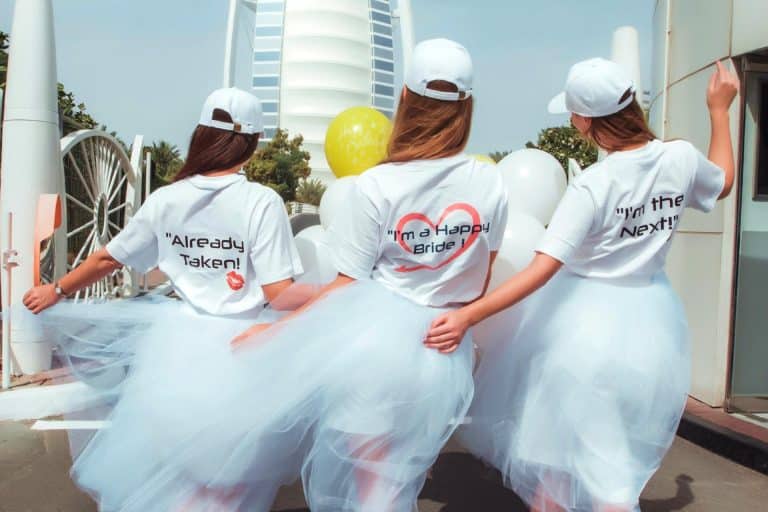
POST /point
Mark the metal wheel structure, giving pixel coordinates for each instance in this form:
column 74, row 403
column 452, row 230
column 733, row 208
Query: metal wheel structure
column 102, row 190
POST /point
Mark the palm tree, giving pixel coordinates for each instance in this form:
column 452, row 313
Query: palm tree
column 310, row 191
column 498, row 156
column 166, row 161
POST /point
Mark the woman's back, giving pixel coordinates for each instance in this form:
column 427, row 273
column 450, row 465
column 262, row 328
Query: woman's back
column 218, row 239
column 428, row 228
column 618, row 217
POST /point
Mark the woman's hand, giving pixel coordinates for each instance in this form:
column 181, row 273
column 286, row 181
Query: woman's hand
column 97, row 265
column 41, row 298
column 722, row 89
column 294, row 297
column 241, row 338
column 447, row 331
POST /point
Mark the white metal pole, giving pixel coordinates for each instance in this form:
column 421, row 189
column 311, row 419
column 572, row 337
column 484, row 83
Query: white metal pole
column 31, row 161
column 625, row 51
column 665, row 89
column 133, row 195
column 148, row 173
column 230, row 44
column 8, row 263
column 147, row 190
column 406, row 32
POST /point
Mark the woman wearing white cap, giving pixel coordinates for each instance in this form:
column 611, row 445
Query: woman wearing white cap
column 579, row 406
column 364, row 399
column 227, row 247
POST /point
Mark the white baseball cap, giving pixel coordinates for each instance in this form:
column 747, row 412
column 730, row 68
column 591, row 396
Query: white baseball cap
column 243, row 107
column 594, row 88
column 440, row 59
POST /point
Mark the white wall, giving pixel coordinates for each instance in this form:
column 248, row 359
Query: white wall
column 750, row 25
column 700, row 34
column 701, row 262
column 659, row 60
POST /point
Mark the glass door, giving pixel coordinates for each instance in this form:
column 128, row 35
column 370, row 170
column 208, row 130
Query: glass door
column 749, row 364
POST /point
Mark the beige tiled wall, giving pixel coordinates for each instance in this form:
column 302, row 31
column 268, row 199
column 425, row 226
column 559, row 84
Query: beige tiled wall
column 701, row 34
column 701, row 262
column 750, row 26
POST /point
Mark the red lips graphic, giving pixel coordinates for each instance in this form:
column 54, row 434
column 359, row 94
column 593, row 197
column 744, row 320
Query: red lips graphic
column 235, row 280
column 420, row 217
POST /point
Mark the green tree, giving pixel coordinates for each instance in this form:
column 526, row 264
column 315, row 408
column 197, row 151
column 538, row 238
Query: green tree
column 3, row 74
column 166, row 162
column 310, row 191
column 564, row 142
column 74, row 116
column 280, row 165
column 3, row 58
column 498, row 156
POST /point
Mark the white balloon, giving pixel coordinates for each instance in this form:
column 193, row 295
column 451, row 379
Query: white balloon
column 314, row 251
column 520, row 238
column 535, row 181
column 334, row 199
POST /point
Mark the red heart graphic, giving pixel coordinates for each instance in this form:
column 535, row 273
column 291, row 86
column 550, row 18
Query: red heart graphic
column 468, row 208
column 235, row 280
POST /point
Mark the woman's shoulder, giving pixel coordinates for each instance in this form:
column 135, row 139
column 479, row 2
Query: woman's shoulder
column 377, row 178
column 678, row 146
column 592, row 175
column 160, row 196
column 380, row 171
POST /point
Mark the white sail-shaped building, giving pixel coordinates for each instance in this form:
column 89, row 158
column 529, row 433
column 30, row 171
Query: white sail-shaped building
column 312, row 60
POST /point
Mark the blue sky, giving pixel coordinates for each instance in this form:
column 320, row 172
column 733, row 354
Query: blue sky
column 145, row 66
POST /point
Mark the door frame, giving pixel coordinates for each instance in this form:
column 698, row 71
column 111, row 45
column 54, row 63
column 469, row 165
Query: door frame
column 750, row 64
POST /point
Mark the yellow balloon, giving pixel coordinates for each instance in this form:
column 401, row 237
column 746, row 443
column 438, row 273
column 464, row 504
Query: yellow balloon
column 357, row 140
column 484, row 158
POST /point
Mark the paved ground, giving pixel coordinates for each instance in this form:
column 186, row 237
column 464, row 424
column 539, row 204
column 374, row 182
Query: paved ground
column 34, row 465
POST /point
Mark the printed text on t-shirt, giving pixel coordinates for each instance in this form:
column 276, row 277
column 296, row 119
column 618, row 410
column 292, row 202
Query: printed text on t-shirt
column 202, row 261
column 660, row 214
column 441, row 238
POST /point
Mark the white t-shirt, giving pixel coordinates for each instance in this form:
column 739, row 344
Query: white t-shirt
column 617, row 218
column 218, row 239
column 424, row 229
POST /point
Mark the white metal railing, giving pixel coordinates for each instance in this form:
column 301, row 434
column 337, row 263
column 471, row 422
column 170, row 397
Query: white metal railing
column 297, row 208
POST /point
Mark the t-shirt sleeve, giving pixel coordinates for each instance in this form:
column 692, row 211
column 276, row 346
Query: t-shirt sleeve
column 706, row 184
column 273, row 252
column 499, row 222
column 355, row 238
column 136, row 245
column 570, row 224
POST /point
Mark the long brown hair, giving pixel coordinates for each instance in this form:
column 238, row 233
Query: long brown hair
column 426, row 128
column 213, row 149
column 627, row 127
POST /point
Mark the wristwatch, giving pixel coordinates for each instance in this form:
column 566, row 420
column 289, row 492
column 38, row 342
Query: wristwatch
column 57, row 288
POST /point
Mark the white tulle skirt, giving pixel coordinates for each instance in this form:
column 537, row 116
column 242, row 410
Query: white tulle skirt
column 156, row 366
column 580, row 390
column 344, row 395
column 349, row 390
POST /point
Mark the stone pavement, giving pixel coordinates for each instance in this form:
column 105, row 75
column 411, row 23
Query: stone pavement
column 34, row 466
